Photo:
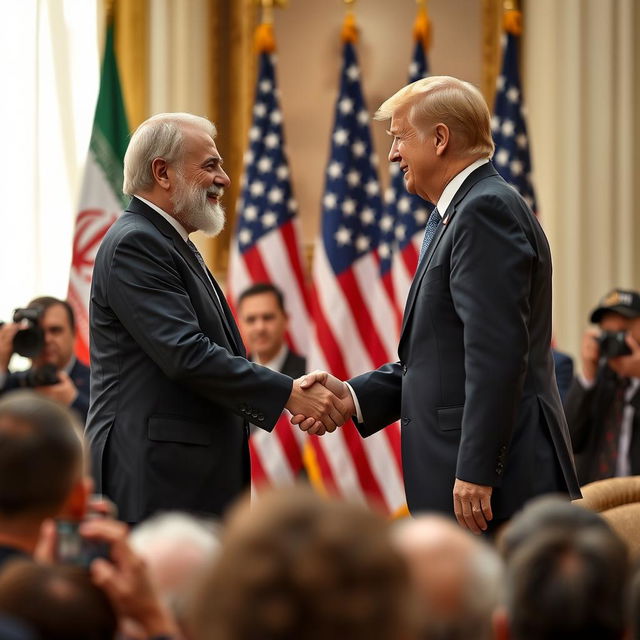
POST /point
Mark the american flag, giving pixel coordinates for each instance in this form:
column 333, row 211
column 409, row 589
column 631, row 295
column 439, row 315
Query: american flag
column 511, row 157
column 405, row 215
column 266, row 249
column 353, row 313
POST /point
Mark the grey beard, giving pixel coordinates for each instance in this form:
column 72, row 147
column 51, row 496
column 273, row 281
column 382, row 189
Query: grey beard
column 191, row 209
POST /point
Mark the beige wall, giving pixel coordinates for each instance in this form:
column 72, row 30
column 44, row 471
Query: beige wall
column 310, row 50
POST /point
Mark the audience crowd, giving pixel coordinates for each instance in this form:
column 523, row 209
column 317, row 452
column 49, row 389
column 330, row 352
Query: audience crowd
column 297, row 565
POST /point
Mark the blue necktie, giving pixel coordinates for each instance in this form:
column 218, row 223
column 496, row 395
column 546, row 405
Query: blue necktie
column 429, row 232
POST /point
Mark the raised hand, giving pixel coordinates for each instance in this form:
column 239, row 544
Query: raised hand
column 339, row 389
column 322, row 409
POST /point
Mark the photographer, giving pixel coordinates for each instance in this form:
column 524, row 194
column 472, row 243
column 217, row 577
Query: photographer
column 55, row 372
column 603, row 404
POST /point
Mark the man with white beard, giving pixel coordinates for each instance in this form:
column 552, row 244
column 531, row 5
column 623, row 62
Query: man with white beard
column 172, row 393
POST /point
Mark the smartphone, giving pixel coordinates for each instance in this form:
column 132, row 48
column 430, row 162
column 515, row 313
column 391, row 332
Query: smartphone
column 72, row 548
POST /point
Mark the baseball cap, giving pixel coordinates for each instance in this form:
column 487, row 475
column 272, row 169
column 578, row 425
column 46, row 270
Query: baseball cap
column 624, row 302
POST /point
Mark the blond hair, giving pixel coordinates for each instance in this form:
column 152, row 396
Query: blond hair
column 453, row 102
column 161, row 136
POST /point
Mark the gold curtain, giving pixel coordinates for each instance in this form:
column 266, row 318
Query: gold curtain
column 132, row 46
column 233, row 68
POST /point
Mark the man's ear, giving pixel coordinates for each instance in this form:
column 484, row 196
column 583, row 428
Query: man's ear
column 75, row 506
column 160, row 172
column 441, row 138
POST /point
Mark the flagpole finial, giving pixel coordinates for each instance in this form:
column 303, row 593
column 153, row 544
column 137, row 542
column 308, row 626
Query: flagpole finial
column 422, row 31
column 512, row 18
column 349, row 27
column 109, row 6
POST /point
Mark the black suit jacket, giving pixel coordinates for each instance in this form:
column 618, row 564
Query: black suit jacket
column 475, row 386
column 79, row 375
column 294, row 365
column 587, row 412
column 171, row 390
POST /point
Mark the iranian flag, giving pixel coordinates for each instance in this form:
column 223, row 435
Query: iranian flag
column 101, row 197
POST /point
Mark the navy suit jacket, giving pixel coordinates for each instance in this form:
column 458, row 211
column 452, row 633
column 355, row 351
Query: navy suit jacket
column 171, row 390
column 475, row 388
column 79, row 375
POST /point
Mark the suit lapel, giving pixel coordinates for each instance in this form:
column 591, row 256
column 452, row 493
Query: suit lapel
column 219, row 302
column 485, row 171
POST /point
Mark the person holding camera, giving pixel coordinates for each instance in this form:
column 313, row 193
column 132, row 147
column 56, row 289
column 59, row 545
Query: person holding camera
column 603, row 404
column 45, row 332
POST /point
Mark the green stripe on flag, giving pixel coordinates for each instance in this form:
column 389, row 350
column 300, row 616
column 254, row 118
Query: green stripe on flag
column 110, row 135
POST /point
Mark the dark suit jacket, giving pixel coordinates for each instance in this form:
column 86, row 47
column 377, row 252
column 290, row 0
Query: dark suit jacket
column 475, row 388
column 563, row 364
column 294, row 365
column 587, row 411
column 171, row 390
column 79, row 375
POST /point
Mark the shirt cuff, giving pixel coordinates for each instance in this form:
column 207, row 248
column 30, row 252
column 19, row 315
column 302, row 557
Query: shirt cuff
column 356, row 404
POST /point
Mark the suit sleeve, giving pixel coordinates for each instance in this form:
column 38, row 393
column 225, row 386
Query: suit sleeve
column 146, row 291
column 379, row 394
column 491, row 272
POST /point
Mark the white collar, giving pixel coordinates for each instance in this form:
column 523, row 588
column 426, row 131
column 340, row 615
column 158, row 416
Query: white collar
column 169, row 218
column 277, row 362
column 455, row 183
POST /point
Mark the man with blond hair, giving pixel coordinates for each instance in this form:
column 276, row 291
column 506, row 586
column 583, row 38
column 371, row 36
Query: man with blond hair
column 172, row 392
column 482, row 425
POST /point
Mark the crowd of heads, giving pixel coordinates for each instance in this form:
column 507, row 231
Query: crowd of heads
column 292, row 564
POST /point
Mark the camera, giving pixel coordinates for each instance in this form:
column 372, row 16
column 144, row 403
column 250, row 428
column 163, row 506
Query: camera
column 28, row 342
column 613, row 344
column 43, row 376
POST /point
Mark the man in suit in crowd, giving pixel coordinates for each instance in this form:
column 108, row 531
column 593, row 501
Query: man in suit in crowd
column 41, row 470
column 171, row 390
column 58, row 326
column 563, row 364
column 483, row 429
column 263, row 324
column 603, row 404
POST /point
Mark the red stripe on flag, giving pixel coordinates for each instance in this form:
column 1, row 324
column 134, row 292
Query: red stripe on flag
column 258, row 474
column 368, row 481
column 284, row 432
column 387, row 283
column 255, row 266
column 330, row 347
column 289, row 235
column 367, row 329
column 410, row 258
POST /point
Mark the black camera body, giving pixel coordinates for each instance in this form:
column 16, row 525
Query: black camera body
column 613, row 344
column 28, row 342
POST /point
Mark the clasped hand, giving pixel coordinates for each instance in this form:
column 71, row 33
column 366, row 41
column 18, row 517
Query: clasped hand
column 319, row 402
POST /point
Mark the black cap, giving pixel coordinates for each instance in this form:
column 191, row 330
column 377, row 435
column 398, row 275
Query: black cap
column 624, row 302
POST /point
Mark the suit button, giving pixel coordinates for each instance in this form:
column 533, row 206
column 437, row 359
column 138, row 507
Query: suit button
column 254, row 414
column 404, row 369
column 503, row 450
column 261, row 417
column 499, row 470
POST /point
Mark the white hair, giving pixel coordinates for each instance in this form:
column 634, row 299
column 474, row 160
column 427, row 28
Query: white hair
column 161, row 136
column 176, row 547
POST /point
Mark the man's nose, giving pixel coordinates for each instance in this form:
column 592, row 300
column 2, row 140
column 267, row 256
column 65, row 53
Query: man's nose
column 394, row 156
column 222, row 179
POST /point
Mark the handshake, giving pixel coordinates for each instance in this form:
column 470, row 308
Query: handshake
column 319, row 402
